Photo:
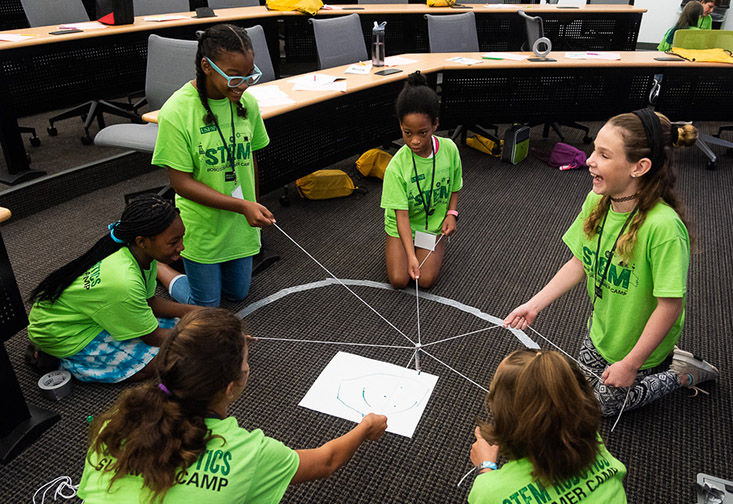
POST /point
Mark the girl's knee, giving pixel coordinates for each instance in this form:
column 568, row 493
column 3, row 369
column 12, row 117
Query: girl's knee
column 426, row 281
column 399, row 281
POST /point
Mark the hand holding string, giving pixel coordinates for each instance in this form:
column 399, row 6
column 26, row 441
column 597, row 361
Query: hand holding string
column 619, row 374
column 376, row 425
column 257, row 215
column 521, row 317
column 482, row 450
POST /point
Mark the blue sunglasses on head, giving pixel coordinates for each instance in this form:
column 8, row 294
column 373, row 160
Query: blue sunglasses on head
column 237, row 80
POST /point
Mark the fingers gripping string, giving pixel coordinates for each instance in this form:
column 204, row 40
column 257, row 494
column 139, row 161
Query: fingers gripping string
column 345, row 286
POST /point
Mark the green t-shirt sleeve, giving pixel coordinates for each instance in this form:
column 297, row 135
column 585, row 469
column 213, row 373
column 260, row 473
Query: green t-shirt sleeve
column 457, row 175
column 276, row 467
column 394, row 188
column 260, row 139
column 173, row 142
column 670, row 261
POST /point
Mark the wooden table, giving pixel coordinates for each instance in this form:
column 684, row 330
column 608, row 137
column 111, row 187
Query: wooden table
column 50, row 72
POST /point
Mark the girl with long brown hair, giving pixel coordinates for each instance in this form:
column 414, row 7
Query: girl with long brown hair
column 170, row 440
column 545, row 423
column 630, row 243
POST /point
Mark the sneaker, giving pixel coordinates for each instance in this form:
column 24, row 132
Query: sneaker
column 698, row 370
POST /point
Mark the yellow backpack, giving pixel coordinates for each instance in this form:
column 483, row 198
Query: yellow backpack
column 441, row 3
column 706, row 55
column 373, row 163
column 307, row 6
column 325, row 184
column 485, row 145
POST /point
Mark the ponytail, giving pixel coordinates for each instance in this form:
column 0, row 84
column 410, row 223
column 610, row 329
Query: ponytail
column 418, row 98
column 158, row 428
column 147, row 216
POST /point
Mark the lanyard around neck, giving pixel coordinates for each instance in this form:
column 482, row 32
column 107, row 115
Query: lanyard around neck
column 598, row 293
column 426, row 206
column 230, row 175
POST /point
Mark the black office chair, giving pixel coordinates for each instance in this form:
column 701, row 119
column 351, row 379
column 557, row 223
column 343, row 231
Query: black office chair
column 457, row 33
column 535, row 30
column 57, row 12
column 20, row 423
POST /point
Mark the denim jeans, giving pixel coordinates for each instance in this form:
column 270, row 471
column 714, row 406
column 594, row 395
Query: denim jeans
column 205, row 284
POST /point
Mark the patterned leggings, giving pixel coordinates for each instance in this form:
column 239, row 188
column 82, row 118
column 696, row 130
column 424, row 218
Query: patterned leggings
column 650, row 384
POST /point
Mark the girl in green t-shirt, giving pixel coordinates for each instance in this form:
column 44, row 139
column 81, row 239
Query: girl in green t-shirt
column 208, row 133
column 98, row 312
column 545, row 422
column 420, row 190
column 688, row 20
column 633, row 221
column 171, row 439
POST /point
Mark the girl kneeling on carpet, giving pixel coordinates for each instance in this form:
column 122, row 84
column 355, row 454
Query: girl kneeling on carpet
column 420, row 191
column 98, row 313
column 633, row 221
column 170, row 440
column 545, row 423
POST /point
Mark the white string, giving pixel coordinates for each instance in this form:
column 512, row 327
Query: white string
column 345, row 286
column 335, row 343
column 462, row 335
column 63, row 483
column 622, row 409
column 454, row 370
column 426, row 257
column 567, row 354
column 397, row 383
column 466, row 475
column 417, row 300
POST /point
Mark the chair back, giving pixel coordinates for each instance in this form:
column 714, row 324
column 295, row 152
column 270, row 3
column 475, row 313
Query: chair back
column 171, row 63
column 339, row 40
column 155, row 7
column 452, row 33
column 226, row 4
column 703, row 39
column 262, row 54
column 534, row 29
column 54, row 12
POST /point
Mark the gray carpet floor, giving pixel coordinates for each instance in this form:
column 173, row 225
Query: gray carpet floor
column 507, row 247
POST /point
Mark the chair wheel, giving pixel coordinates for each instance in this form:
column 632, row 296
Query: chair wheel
column 729, row 152
column 86, row 140
column 712, row 165
column 52, row 131
column 587, row 139
column 35, row 141
column 285, row 200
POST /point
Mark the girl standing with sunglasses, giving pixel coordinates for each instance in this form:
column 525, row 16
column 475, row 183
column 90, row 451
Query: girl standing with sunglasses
column 208, row 132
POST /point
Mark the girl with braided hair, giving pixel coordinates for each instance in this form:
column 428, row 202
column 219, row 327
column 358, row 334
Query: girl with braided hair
column 97, row 314
column 208, row 132
column 630, row 243
column 171, row 439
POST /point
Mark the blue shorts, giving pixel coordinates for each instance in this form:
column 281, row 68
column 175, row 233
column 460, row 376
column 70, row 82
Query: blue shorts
column 107, row 360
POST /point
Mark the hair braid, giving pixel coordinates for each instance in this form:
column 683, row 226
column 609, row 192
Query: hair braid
column 147, row 216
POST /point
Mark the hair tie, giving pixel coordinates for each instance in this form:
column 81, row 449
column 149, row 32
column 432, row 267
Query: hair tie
column 200, row 34
column 164, row 389
column 654, row 137
column 112, row 228
column 675, row 134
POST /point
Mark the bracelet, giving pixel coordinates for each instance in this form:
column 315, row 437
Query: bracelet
column 487, row 464
column 454, row 213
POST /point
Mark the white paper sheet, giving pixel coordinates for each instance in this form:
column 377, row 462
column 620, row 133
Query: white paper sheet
column 397, row 61
column 593, row 55
column 90, row 25
column 352, row 386
column 465, row 61
column 359, row 68
column 504, row 56
column 165, row 17
column 269, row 96
column 12, row 37
column 319, row 82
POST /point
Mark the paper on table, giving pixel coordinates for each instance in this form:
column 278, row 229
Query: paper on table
column 269, row 96
column 465, row 61
column 359, row 69
column 12, row 37
column 351, row 386
column 505, row 55
column 90, row 25
column 319, row 82
column 593, row 55
column 331, row 7
column 398, row 60
column 501, row 6
column 165, row 17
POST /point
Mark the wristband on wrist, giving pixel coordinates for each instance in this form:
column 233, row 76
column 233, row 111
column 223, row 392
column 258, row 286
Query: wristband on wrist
column 487, row 464
column 454, row 213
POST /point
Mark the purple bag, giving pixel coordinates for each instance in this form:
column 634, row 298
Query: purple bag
column 566, row 157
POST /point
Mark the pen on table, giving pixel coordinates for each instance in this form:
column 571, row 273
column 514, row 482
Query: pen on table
column 491, row 58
